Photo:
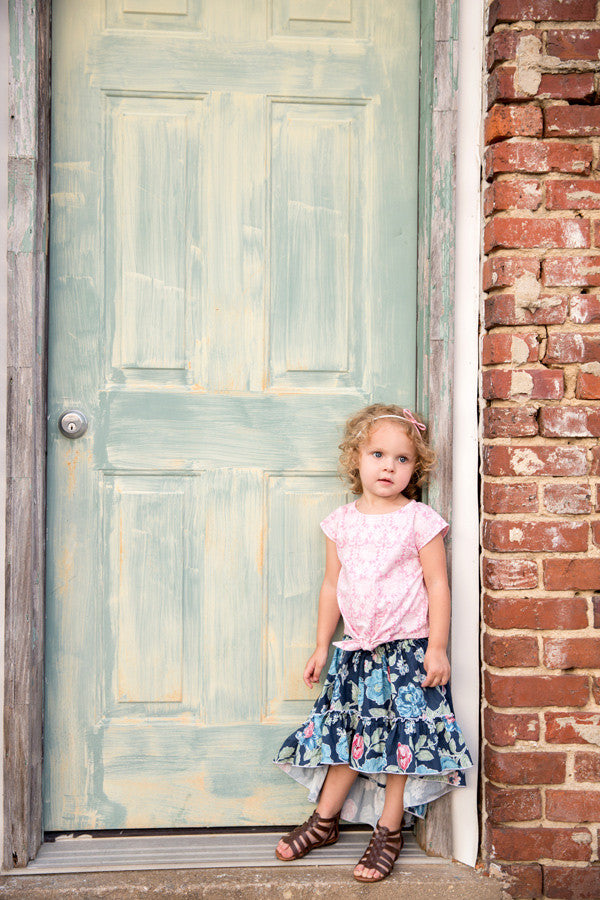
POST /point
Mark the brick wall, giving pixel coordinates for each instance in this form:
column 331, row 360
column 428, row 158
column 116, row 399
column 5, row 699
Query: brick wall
column 540, row 454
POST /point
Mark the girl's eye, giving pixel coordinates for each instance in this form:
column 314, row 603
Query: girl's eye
column 402, row 459
column 377, row 454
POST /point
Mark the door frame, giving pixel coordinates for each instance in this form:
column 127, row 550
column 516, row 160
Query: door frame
column 27, row 337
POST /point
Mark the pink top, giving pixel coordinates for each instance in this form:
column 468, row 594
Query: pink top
column 381, row 592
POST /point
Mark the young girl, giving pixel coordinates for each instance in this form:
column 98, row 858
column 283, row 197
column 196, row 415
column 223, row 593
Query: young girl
column 382, row 735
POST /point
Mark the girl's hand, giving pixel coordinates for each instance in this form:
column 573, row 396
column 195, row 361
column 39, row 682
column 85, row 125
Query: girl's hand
column 437, row 667
column 314, row 667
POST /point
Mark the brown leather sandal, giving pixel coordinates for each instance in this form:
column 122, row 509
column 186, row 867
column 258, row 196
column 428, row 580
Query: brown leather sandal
column 381, row 854
column 315, row 832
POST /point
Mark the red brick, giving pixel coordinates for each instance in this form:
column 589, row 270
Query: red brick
column 596, row 533
column 522, row 194
column 571, row 574
column 541, row 11
column 595, row 465
column 568, row 499
column 572, row 121
column 596, row 690
column 502, row 46
column 516, row 421
column 525, row 767
column 509, row 574
column 524, row 882
column 570, row 883
column 504, row 271
column 567, row 271
column 538, row 613
column 529, row 233
column 509, row 498
column 536, row 690
column 571, row 86
column 508, row 536
column 510, row 348
column 571, row 194
column 563, row 349
column 548, row 309
column 535, row 384
column 587, row 386
column 571, row 44
column 511, row 121
column 506, row 805
column 572, row 806
column 587, row 766
column 539, row 843
column 572, row 728
column 537, row 157
column 534, row 460
column 572, row 653
column 584, row 308
column 596, row 610
column 570, row 421
column 504, row 729
column 515, row 650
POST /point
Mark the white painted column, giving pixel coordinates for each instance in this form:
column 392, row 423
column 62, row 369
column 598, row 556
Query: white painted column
column 465, row 499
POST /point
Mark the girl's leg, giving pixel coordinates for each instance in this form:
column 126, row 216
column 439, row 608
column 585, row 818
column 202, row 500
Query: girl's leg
column 391, row 817
column 338, row 781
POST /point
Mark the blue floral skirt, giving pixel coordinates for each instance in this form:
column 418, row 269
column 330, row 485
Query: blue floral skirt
column 374, row 716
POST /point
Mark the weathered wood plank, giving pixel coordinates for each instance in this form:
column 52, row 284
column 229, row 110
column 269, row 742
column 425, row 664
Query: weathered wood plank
column 29, row 158
column 436, row 278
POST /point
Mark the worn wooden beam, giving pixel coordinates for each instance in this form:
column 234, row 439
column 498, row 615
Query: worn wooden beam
column 29, row 172
column 437, row 186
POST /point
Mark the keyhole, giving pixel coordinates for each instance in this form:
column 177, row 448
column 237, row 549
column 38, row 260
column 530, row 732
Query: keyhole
column 72, row 427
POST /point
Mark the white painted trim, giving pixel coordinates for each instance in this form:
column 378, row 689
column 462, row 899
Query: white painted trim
column 4, row 50
column 465, row 498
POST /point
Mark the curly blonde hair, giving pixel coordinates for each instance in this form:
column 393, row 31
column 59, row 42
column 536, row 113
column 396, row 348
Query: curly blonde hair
column 359, row 427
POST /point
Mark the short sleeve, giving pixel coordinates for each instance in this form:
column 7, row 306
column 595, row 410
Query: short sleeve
column 427, row 525
column 331, row 525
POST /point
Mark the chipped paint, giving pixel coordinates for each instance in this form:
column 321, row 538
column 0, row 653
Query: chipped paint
column 515, row 535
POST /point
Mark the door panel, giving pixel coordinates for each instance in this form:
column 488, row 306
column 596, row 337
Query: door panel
column 233, row 271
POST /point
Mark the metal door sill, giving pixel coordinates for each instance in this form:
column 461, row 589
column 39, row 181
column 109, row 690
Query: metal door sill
column 85, row 853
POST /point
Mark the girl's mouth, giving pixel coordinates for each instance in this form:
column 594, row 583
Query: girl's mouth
column 385, row 480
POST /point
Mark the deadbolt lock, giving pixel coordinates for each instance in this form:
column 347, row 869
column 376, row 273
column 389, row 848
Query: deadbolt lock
column 72, row 423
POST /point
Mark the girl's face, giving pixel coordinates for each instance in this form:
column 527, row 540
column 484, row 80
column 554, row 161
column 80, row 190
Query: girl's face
column 386, row 461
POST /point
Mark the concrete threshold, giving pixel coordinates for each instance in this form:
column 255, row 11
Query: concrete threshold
column 448, row 881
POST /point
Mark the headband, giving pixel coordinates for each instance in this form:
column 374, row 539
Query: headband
column 407, row 417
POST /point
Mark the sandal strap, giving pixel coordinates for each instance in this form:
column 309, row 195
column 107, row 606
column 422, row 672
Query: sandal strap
column 383, row 850
column 313, row 833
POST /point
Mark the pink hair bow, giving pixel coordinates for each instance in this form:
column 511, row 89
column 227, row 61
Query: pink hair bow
column 410, row 418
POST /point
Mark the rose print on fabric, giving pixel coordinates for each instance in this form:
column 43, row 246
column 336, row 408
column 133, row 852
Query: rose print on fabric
column 410, row 701
column 358, row 747
column 408, row 731
column 404, row 756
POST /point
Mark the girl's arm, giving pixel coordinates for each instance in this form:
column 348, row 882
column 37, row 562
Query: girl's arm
column 329, row 614
column 433, row 562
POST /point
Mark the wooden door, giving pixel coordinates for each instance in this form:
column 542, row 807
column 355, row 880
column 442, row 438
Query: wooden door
column 233, row 271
